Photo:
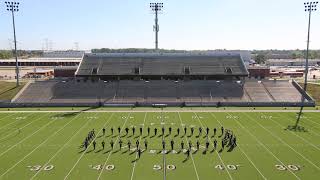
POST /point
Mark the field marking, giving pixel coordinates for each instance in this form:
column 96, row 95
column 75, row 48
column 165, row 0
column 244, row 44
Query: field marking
column 151, row 110
column 5, row 117
column 265, row 147
column 317, row 127
column 312, row 120
column 134, row 165
column 15, row 121
column 285, row 143
column 40, row 145
column 10, row 123
column 27, row 136
column 297, row 135
column 164, row 154
column 213, row 146
column 194, row 165
column 65, row 144
column 242, row 151
column 105, row 163
column 18, row 127
column 87, row 148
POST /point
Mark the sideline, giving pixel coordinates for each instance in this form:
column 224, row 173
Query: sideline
column 195, row 110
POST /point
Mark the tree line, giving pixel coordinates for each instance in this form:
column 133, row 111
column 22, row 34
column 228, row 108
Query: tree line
column 260, row 56
column 8, row 54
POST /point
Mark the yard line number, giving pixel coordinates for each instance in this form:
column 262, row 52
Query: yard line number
column 39, row 167
column 288, row 167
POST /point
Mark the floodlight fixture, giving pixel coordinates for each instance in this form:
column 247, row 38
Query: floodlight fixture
column 308, row 7
column 13, row 7
column 156, row 8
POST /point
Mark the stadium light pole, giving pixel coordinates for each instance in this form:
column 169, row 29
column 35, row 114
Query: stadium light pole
column 309, row 7
column 156, row 7
column 14, row 7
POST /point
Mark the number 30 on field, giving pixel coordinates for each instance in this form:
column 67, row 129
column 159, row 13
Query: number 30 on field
column 38, row 167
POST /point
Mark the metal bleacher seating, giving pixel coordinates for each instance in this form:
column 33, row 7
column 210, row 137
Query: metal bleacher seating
column 166, row 64
column 156, row 91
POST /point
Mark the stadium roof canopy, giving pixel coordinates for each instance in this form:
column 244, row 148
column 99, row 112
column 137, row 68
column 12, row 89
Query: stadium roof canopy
column 162, row 64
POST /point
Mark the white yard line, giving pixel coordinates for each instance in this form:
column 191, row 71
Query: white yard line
column 164, row 154
column 265, row 147
column 194, row 165
column 303, row 139
column 313, row 122
column 309, row 119
column 9, row 124
column 27, row 136
column 39, row 145
column 242, row 151
column 285, row 143
column 5, row 117
column 67, row 143
column 134, row 165
column 15, row 121
column 87, row 148
column 105, row 163
column 212, row 146
column 13, row 132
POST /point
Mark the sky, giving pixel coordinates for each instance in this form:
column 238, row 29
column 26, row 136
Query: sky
column 184, row 24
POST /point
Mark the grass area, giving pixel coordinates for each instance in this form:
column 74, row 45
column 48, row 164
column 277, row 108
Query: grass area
column 46, row 146
column 8, row 90
column 314, row 91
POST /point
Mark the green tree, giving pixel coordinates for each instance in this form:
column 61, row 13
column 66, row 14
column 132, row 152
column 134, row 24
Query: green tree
column 5, row 54
column 260, row 58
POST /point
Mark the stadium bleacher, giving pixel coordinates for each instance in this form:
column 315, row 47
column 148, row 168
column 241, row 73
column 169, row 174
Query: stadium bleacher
column 147, row 79
column 160, row 65
column 160, row 91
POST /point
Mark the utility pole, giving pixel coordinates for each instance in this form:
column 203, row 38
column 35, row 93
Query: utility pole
column 14, row 7
column 309, row 7
column 156, row 7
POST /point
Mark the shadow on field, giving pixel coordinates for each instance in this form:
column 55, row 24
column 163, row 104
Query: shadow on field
column 99, row 150
column 107, row 152
column 185, row 160
column 71, row 114
column 296, row 129
column 204, row 152
column 65, row 115
column 8, row 90
column 231, row 149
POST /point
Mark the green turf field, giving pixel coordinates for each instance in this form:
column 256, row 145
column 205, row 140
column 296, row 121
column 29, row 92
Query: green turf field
column 45, row 145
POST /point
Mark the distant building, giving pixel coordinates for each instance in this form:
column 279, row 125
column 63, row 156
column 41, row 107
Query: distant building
column 44, row 62
column 63, row 54
column 66, row 71
column 259, row 72
column 292, row 62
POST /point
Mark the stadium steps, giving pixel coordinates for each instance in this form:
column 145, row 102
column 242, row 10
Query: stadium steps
column 257, row 92
column 37, row 92
column 248, row 94
column 268, row 91
column 14, row 99
column 283, row 91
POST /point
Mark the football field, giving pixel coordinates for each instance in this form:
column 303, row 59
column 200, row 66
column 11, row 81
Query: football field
column 46, row 145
